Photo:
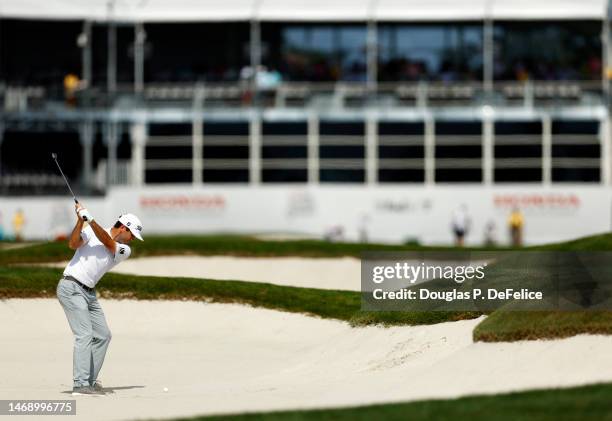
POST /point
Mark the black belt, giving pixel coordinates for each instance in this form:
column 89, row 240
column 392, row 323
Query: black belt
column 85, row 287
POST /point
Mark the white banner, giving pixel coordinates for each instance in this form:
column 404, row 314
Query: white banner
column 352, row 213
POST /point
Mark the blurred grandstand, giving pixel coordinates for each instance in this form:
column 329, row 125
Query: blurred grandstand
column 255, row 92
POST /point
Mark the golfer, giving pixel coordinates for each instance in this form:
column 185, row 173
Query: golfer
column 97, row 251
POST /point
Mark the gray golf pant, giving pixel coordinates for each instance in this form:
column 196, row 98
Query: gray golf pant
column 91, row 333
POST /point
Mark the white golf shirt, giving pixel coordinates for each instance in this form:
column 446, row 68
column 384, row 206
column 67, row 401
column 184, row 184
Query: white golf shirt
column 461, row 220
column 92, row 260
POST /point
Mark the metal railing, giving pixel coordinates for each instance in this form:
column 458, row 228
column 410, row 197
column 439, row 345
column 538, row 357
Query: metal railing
column 338, row 95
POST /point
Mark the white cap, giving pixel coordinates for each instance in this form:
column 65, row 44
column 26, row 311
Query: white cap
column 133, row 223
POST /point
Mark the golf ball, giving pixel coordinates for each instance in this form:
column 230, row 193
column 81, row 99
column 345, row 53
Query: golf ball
column 165, row 389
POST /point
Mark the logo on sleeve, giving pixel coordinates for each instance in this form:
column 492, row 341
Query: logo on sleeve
column 121, row 250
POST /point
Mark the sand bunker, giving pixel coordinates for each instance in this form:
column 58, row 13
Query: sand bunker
column 217, row 358
column 324, row 273
column 342, row 273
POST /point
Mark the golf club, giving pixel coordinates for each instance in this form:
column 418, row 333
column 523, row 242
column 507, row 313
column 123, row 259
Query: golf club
column 54, row 156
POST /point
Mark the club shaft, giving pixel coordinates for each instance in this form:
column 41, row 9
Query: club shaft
column 65, row 179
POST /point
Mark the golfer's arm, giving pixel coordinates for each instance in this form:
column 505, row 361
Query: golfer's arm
column 103, row 236
column 75, row 241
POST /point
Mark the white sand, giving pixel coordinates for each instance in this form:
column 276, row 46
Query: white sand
column 342, row 273
column 218, row 358
column 325, row 273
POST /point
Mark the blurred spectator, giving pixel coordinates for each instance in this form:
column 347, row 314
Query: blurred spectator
column 334, row 234
column 364, row 222
column 265, row 79
column 18, row 223
column 460, row 224
column 357, row 72
column 594, row 67
column 447, row 73
column 515, row 224
column 71, row 85
column 520, row 72
column 490, row 235
column 403, row 69
column 268, row 79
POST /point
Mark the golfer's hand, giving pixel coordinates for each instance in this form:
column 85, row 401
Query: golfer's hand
column 83, row 213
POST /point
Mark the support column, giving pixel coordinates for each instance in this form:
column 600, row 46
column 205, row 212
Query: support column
column 112, row 143
column 372, row 58
column 255, row 149
column 606, row 149
column 87, row 140
column 139, row 42
column 198, row 139
column 488, row 148
column 255, row 47
column 430, row 150
column 138, row 134
column 606, row 58
column 1, row 61
column 313, row 148
column 1, row 139
column 422, row 95
column 528, row 94
column 371, row 148
column 85, row 44
column 198, row 146
column 111, row 62
column 488, row 53
column 546, row 150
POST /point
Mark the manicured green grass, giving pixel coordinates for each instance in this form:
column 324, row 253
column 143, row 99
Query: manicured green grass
column 226, row 245
column 38, row 253
column 504, row 326
column 600, row 242
column 588, row 403
column 26, row 282
column 571, row 276
column 236, row 245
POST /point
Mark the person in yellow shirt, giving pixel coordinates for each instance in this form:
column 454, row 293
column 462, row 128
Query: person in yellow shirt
column 71, row 85
column 18, row 223
column 515, row 223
